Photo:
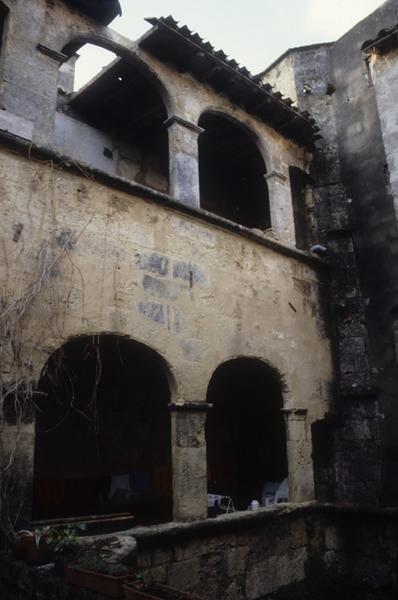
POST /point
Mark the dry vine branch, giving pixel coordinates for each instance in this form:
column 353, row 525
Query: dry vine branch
column 17, row 395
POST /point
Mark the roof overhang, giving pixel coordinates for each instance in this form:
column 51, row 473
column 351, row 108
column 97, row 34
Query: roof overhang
column 103, row 11
column 189, row 52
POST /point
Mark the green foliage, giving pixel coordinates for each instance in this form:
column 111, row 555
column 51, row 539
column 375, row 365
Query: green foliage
column 60, row 540
column 97, row 564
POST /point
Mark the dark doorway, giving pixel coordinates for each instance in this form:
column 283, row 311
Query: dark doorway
column 231, row 170
column 245, row 431
column 103, row 432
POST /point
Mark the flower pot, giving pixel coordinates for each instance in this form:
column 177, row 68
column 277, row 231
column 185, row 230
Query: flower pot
column 34, row 552
column 137, row 590
column 108, row 585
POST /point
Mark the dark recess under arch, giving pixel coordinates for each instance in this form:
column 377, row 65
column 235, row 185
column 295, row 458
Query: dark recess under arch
column 245, row 430
column 231, row 170
column 103, row 432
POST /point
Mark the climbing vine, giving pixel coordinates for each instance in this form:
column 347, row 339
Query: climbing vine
column 33, row 295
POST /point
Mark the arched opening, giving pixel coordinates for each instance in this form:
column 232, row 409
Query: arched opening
column 103, row 432
column 231, row 172
column 245, row 433
column 87, row 63
column 303, row 207
column 115, row 121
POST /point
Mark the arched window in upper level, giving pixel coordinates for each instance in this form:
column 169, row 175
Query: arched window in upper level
column 115, row 122
column 231, row 171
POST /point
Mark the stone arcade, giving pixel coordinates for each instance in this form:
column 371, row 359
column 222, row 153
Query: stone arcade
column 199, row 296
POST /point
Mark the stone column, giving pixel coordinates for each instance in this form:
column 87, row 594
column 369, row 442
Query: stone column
column 281, row 207
column 189, row 460
column 299, row 456
column 184, row 160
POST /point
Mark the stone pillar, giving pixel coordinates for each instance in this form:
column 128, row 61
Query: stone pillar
column 48, row 63
column 281, row 207
column 299, row 456
column 359, row 450
column 184, row 160
column 189, row 460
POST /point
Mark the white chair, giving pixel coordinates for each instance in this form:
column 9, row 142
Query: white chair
column 282, row 494
column 269, row 492
column 224, row 503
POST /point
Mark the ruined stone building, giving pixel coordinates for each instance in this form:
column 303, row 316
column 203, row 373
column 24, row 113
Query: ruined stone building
column 199, row 296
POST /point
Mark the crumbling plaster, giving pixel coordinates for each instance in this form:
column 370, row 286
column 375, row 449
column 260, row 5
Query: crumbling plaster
column 101, row 220
column 134, row 268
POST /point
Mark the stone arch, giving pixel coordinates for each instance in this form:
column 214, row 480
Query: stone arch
column 129, row 54
column 245, row 431
column 232, row 170
column 123, row 108
column 240, row 120
column 103, row 433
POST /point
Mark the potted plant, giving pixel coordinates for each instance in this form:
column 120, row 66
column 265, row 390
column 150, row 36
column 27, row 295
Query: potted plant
column 31, row 546
column 62, row 543
column 96, row 574
column 47, row 543
column 138, row 590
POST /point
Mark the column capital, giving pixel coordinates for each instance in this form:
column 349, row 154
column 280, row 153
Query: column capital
column 275, row 175
column 190, row 407
column 176, row 120
column 299, row 413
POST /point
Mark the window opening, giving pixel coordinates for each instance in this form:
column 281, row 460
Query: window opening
column 231, row 170
column 90, row 62
column 121, row 109
column 301, row 192
column 3, row 18
column 103, row 432
column 245, row 434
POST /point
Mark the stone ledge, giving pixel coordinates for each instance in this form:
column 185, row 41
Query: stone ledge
column 147, row 536
column 32, row 151
column 191, row 407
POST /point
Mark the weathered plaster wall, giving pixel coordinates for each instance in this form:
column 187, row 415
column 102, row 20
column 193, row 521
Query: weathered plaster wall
column 199, row 295
column 164, row 277
column 384, row 69
column 90, row 146
column 281, row 75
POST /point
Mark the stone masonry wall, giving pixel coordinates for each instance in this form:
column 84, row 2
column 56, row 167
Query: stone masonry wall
column 352, row 427
column 245, row 556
